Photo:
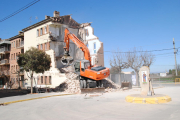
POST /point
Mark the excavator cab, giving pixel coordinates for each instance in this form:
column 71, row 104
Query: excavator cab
column 84, row 65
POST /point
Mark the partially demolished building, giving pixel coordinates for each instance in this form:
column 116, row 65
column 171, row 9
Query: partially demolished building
column 48, row 35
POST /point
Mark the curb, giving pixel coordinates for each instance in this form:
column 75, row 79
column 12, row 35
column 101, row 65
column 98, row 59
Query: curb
column 147, row 100
column 6, row 103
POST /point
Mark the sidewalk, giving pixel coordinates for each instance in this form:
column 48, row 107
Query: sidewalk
column 21, row 98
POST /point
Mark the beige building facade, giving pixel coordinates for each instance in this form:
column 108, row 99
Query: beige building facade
column 48, row 35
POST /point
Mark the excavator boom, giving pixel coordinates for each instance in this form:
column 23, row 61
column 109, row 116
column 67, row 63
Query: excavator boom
column 67, row 58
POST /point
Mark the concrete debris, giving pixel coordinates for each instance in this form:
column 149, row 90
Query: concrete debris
column 72, row 84
column 108, row 83
column 68, row 69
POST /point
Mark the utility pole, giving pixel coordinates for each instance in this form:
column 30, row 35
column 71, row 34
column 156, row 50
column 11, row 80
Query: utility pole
column 175, row 56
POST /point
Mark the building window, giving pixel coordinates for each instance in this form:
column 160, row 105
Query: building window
column 14, row 56
column 87, row 33
column 45, row 80
column 14, row 43
column 38, row 80
column 50, row 80
column 45, row 30
column 45, row 46
column 94, row 47
column 37, row 32
column 37, row 46
column 41, row 79
column 41, row 47
column 11, row 68
column 41, row 32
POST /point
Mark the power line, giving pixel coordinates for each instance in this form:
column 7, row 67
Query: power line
column 20, row 10
column 143, row 51
column 163, row 54
column 163, row 65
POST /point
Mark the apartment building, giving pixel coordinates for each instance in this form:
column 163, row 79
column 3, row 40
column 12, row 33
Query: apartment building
column 4, row 63
column 48, row 35
column 17, row 47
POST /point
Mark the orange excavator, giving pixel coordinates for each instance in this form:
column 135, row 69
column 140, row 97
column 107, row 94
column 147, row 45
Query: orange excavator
column 89, row 76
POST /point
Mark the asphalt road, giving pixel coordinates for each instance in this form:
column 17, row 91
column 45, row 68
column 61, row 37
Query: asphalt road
column 110, row 106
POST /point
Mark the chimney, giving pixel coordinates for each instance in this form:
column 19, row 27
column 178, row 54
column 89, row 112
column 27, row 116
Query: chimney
column 56, row 14
column 20, row 32
column 47, row 17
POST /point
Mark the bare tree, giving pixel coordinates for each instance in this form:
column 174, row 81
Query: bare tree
column 147, row 58
column 118, row 61
column 135, row 62
column 137, row 59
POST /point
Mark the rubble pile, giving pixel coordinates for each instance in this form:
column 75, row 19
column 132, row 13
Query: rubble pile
column 72, row 84
column 110, row 86
column 108, row 83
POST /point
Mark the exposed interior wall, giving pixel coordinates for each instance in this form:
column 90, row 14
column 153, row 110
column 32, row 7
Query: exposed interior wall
column 97, row 55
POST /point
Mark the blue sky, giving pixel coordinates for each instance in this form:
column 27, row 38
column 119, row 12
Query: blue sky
column 124, row 24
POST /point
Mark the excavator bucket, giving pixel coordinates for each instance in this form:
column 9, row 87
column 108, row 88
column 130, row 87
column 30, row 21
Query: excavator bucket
column 66, row 60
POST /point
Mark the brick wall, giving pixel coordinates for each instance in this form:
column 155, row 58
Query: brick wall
column 13, row 60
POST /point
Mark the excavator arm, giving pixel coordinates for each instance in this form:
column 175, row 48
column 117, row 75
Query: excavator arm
column 66, row 59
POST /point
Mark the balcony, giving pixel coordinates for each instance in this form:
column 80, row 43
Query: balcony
column 4, row 50
column 4, row 62
column 1, row 86
column 5, row 72
column 20, row 45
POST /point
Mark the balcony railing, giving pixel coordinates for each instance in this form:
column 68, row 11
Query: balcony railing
column 20, row 45
column 1, row 86
column 5, row 72
column 4, row 49
column 4, row 61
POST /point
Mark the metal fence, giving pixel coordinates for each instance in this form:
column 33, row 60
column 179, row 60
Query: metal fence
column 119, row 78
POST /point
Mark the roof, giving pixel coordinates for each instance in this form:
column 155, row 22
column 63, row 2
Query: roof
column 21, row 35
column 5, row 41
column 61, row 19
